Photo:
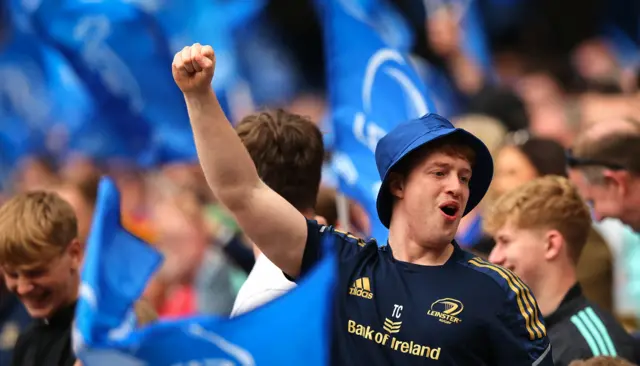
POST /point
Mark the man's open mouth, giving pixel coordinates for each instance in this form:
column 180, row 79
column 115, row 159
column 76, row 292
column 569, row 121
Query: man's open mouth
column 450, row 209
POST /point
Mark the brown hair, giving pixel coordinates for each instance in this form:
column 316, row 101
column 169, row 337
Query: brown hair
column 35, row 227
column 549, row 202
column 602, row 361
column 326, row 205
column 617, row 148
column 288, row 152
column 451, row 145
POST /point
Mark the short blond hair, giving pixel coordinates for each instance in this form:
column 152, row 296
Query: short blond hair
column 35, row 227
column 550, row 203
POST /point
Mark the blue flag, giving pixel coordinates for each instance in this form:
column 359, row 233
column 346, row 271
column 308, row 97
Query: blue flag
column 39, row 94
column 372, row 88
column 212, row 22
column 123, row 57
column 209, row 22
column 291, row 330
column 441, row 90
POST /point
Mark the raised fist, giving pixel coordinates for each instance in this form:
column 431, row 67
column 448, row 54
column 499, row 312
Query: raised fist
column 193, row 68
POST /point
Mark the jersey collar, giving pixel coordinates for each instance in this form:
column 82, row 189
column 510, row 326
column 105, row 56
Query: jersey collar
column 567, row 307
column 457, row 252
column 62, row 318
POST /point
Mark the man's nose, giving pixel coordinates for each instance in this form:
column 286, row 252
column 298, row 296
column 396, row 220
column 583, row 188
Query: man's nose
column 454, row 185
column 496, row 257
column 24, row 287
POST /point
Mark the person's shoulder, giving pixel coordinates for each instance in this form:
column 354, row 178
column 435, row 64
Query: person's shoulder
column 25, row 340
column 508, row 290
column 265, row 282
column 490, row 276
column 595, row 323
column 341, row 235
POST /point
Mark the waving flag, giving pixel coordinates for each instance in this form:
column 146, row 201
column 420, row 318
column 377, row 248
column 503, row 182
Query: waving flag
column 208, row 22
column 292, row 330
column 372, row 88
column 124, row 60
column 39, row 92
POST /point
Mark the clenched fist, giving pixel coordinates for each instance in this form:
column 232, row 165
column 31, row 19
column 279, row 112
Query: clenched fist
column 193, row 68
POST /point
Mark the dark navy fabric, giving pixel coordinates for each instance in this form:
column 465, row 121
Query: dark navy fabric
column 465, row 312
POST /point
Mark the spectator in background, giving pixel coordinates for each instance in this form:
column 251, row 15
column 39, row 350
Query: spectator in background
column 82, row 197
column 540, row 230
column 35, row 172
column 520, row 162
column 182, row 236
column 288, row 152
column 594, row 166
column 502, row 104
column 327, row 208
column 40, row 258
column 605, row 165
column 492, row 132
column 40, row 255
column 82, row 194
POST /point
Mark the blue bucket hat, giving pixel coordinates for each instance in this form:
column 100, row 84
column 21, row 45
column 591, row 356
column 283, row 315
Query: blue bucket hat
column 412, row 135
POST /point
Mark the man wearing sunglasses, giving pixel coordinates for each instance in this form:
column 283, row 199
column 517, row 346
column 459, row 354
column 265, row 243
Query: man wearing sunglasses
column 605, row 165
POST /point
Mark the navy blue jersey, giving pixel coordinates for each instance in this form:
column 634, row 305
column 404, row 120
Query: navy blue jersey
column 465, row 312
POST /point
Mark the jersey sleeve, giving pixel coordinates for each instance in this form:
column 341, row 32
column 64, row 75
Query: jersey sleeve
column 518, row 335
column 345, row 244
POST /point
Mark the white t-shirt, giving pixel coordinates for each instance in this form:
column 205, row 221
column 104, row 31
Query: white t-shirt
column 265, row 283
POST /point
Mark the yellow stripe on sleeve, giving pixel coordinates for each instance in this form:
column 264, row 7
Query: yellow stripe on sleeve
column 521, row 297
column 533, row 307
column 533, row 302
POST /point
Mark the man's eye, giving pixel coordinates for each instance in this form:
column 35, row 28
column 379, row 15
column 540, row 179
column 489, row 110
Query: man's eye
column 35, row 273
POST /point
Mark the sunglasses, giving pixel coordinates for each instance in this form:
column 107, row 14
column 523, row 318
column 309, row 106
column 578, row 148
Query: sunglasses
column 575, row 162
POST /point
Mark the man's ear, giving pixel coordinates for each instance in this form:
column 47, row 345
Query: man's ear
column 76, row 253
column 618, row 179
column 396, row 185
column 554, row 243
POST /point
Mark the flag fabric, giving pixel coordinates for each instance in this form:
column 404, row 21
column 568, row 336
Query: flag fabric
column 291, row 330
column 123, row 58
column 39, row 93
column 209, row 22
column 372, row 87
column 440, row 90
column 106, row 72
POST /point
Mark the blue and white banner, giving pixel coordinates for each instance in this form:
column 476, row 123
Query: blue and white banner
column 292, row 330
column 372, row 88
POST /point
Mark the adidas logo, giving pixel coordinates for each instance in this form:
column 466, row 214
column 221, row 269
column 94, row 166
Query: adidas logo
column 391, row 326
column 361, row 287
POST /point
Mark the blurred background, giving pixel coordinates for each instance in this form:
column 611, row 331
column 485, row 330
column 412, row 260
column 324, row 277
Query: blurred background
column 86, row 89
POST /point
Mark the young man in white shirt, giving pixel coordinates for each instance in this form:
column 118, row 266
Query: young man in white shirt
column 288, row 152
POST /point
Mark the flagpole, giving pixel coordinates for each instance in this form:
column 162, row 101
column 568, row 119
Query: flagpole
column 342, row 206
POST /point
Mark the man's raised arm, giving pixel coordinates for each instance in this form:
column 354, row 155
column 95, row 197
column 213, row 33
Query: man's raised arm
column 277, row 228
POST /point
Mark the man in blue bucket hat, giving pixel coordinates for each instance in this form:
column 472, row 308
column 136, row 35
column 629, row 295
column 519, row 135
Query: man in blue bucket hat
column 420, row 299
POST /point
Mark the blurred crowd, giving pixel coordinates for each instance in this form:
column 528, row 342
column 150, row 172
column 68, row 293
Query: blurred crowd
column 552, row 76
